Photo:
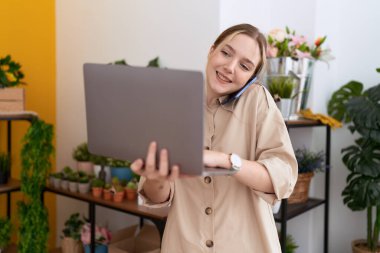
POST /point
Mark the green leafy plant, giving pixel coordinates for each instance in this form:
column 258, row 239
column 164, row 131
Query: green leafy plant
column 361, row 111
column 132, row 184
column 281, row 86
column 10, row 72
column 118, row 163
column 35, row 161
column 73, row 227
column 309, row 161
column 81, row 153
column 291, row 245
column 97, row 183
column 5, row 232
column 155, row 62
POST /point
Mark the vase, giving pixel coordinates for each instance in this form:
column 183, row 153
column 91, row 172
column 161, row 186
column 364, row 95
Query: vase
column 69, row 245
column 285, row 107
column 301, row 70
column 101, row 248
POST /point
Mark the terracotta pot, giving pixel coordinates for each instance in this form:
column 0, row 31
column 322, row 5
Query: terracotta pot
column 118, row 196
column 86, row 167
column 131, row 194
column 360, row 246
column 107, row 194
column 300, row 193
column 97, row 192
column 69, row 245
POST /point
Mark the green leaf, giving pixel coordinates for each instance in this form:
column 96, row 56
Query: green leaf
column 378, row 70
column 339, row 99
column 154, row 63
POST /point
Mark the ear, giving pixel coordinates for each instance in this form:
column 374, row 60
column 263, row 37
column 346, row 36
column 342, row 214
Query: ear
column 212, row 48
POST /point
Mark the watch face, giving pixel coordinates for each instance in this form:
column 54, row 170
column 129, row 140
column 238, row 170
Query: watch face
column 236, row 161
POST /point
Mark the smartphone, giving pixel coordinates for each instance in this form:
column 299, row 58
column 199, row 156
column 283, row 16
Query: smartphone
column 238, row 93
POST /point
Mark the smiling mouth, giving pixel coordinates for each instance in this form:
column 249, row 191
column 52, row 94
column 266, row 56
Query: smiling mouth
column 223, row 77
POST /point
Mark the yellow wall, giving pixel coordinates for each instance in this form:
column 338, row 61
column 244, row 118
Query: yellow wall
column 28, row 34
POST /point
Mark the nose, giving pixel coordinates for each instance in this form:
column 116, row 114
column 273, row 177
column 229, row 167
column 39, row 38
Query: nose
column 229, row 66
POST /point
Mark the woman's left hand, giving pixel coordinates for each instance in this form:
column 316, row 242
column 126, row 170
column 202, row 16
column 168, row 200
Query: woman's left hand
column 215, row 159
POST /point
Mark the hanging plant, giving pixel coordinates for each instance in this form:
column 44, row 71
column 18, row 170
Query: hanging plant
column 35, row 156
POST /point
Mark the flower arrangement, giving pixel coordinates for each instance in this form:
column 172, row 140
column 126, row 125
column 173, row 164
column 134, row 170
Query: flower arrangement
column 309, row 161
column 10, row 73
column 102, row 235
column 285, row 43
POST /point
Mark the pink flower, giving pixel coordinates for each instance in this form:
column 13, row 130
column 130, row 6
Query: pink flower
column 278, row 34
column 272, row 51
column 297, row 40
column 301, row 54
column 102, row 235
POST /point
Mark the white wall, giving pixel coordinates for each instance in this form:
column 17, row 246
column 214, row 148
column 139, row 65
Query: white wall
column 179, row 32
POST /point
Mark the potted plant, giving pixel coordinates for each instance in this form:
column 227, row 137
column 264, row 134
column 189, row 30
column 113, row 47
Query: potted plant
column 107, row 193
column 57, row 177
column 309, row 162
column 71, row 234
column 10, row 77
column 120, row 169
column 67, row 171
column 83, row 183
column 73, row 182
column 97, row 187
column 5, row 167
column 5, row 233
column 118, row 190
column 101, row 169
column 83, row 158
column 281, row 88
column 361, row 111
column 131, row 189
column 102, row 238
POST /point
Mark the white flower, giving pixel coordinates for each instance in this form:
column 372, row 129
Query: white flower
column 278, row 34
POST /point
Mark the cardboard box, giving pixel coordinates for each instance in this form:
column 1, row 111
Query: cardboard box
column 12, row 99
column 135, row 240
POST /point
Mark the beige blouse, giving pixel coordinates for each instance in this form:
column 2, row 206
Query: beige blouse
column 218, row 214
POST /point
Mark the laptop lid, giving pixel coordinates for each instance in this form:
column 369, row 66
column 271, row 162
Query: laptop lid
column 128, row 107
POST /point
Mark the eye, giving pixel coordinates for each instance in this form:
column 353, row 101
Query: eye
column 225, row 53
column 244, row 67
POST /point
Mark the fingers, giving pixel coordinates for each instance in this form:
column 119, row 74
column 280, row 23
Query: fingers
column 137, row 166
column 150, row 161
column 164, row 163
column 174, row 174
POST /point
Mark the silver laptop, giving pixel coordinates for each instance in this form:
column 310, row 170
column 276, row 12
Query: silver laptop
column 128, row 107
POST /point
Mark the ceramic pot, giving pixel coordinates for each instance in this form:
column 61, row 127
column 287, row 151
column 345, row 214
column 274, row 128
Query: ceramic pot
column 360, row 246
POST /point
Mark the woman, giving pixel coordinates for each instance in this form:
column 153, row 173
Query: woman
column 243, row 133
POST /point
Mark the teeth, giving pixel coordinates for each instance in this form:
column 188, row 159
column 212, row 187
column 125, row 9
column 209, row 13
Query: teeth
column 221, row 76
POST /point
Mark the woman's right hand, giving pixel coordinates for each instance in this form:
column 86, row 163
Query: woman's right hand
column 153, row 171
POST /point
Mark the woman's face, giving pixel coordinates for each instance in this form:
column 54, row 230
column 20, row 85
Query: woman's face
column 231, row 64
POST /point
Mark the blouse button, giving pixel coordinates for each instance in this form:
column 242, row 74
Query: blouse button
column 207, row 180
column 209, row 243
column 207, row 148
column 208, row 210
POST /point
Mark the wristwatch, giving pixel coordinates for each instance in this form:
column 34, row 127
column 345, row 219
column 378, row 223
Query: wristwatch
column 236, row 162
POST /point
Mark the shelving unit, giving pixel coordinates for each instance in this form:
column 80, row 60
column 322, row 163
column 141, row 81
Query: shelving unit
column 156, row 215
column 289, row 211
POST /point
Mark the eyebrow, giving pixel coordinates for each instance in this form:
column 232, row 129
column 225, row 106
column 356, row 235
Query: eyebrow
column 245, row 59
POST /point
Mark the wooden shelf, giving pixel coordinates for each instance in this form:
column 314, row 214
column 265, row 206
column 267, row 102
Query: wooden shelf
column 297, row 209
column 11, row 186
column 126, row 206
column 303, row 123
column 21, row 115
